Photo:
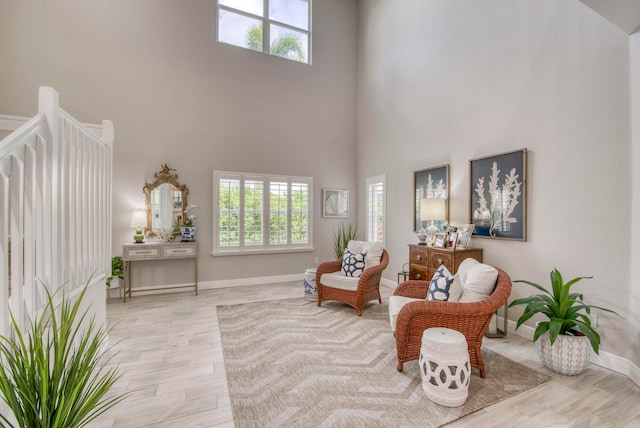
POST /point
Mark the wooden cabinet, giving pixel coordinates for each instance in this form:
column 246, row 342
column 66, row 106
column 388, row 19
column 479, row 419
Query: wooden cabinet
column 425, row 260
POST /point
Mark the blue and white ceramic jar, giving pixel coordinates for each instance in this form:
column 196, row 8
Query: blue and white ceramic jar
column 188, row 233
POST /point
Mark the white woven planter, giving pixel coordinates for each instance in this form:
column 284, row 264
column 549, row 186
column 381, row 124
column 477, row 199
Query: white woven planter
column 569, row 355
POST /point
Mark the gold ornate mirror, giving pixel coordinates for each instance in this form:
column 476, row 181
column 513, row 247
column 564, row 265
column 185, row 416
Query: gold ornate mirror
column 166, row 199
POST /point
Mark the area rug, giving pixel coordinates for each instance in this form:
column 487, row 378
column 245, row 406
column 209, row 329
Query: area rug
column 290, row 363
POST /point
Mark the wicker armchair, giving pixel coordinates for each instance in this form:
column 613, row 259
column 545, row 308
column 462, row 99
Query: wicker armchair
column 368, row 284
column 471, row 319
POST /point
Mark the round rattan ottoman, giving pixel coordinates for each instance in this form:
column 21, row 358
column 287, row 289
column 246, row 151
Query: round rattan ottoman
column 444, row 366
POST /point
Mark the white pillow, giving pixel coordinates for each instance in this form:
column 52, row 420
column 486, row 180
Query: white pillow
column 443, row 287
column 463, row 269
column 352, row 264
column 373, row 250
column 480, row 282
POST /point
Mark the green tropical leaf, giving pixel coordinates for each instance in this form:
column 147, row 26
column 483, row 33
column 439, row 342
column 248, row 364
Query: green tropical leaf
column 60, row 375
column 566, row 311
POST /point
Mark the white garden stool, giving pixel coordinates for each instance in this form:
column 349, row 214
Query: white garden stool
column 444, row 366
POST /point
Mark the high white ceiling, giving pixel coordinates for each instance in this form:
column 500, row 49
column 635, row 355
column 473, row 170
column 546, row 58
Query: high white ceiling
column 625, row 14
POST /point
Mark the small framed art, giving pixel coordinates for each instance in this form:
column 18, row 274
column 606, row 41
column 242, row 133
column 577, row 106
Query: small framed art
column 464, row 236
column 452, row 240
column 441, row 240
column 335, row 203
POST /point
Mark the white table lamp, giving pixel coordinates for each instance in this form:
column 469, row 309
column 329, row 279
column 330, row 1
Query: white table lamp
column 432, row 209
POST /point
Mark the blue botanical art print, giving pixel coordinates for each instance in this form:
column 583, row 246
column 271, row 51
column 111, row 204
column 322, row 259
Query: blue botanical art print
column 430, row 183
column 498, row 195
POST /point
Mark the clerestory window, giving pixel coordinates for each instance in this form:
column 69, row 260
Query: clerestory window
column 277, row 27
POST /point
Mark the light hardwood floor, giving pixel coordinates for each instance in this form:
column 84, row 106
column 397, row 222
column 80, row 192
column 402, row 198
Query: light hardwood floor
column 170, row 353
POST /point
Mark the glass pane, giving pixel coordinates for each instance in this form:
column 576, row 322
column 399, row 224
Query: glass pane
column 289, row 44
column 253, row 214
column 290, row 12
column 299, row 213
column 278, row 214
column 251, row 6
column 229, row 213
column 239, row 30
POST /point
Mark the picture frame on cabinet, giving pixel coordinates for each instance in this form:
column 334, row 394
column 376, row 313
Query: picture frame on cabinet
column 452, row 239
column 464, row 236
column 441, row 240
column 498, row 195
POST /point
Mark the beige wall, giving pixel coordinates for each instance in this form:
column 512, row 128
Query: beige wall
column 634, row 300
column 447, row 81
column 177, row 96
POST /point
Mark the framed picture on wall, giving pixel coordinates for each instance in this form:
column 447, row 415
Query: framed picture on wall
column 335, row 203
column 430, row 183
column 498, row 195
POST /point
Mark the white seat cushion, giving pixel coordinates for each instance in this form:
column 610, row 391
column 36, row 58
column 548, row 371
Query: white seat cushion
column 339, row 281
column 396, row 303
column 372, row 249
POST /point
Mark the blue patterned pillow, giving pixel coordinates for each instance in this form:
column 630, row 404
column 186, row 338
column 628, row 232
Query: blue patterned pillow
column 352, row 264
column 441, row 284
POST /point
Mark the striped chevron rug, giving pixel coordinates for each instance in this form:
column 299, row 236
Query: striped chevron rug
column 292, row 364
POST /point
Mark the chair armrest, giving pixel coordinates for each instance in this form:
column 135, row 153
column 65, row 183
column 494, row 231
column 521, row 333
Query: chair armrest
column 413, row 288
column 328, row 267
column 373, row 274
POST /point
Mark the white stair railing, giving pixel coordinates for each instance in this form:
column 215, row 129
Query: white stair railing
column 55, row 207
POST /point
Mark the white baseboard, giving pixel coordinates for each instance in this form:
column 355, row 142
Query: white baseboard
column 389, row 283
column 604, row 359
column 226, row 283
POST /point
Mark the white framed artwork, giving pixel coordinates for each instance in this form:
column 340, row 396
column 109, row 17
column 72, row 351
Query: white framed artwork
column 335, row 203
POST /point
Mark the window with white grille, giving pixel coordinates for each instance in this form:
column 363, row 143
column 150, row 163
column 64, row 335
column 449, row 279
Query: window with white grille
column 276, row 27
column 255, row 212
column 376, row 206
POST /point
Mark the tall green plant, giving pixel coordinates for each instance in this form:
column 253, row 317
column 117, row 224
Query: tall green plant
column 565, row 311
column 341, row 238
column 54, row 374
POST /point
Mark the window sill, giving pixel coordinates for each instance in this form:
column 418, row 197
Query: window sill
column 261, row 251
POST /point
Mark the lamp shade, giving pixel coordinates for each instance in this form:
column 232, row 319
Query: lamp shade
column 139, row 219
column 433, row 209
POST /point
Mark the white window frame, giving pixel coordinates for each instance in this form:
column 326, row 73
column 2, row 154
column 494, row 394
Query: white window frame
column 266, row 27
column 266, row 246
column 371, row 215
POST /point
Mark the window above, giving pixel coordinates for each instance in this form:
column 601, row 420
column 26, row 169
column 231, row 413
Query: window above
column 277, row 27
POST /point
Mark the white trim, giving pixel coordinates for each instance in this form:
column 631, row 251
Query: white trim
column 379, row 179
column 226, row 283
column 389, row 283
column 604, row 359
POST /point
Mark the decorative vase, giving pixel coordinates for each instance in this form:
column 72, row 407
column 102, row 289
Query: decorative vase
column 188, row 233
column 569, row 355
column 310, row 289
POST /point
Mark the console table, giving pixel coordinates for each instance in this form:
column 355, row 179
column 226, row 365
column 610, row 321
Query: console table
column 157, row 251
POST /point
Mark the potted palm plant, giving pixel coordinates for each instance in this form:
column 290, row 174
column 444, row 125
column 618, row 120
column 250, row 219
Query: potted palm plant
column 57, row 373
column 565, row 339
column 341, row 238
